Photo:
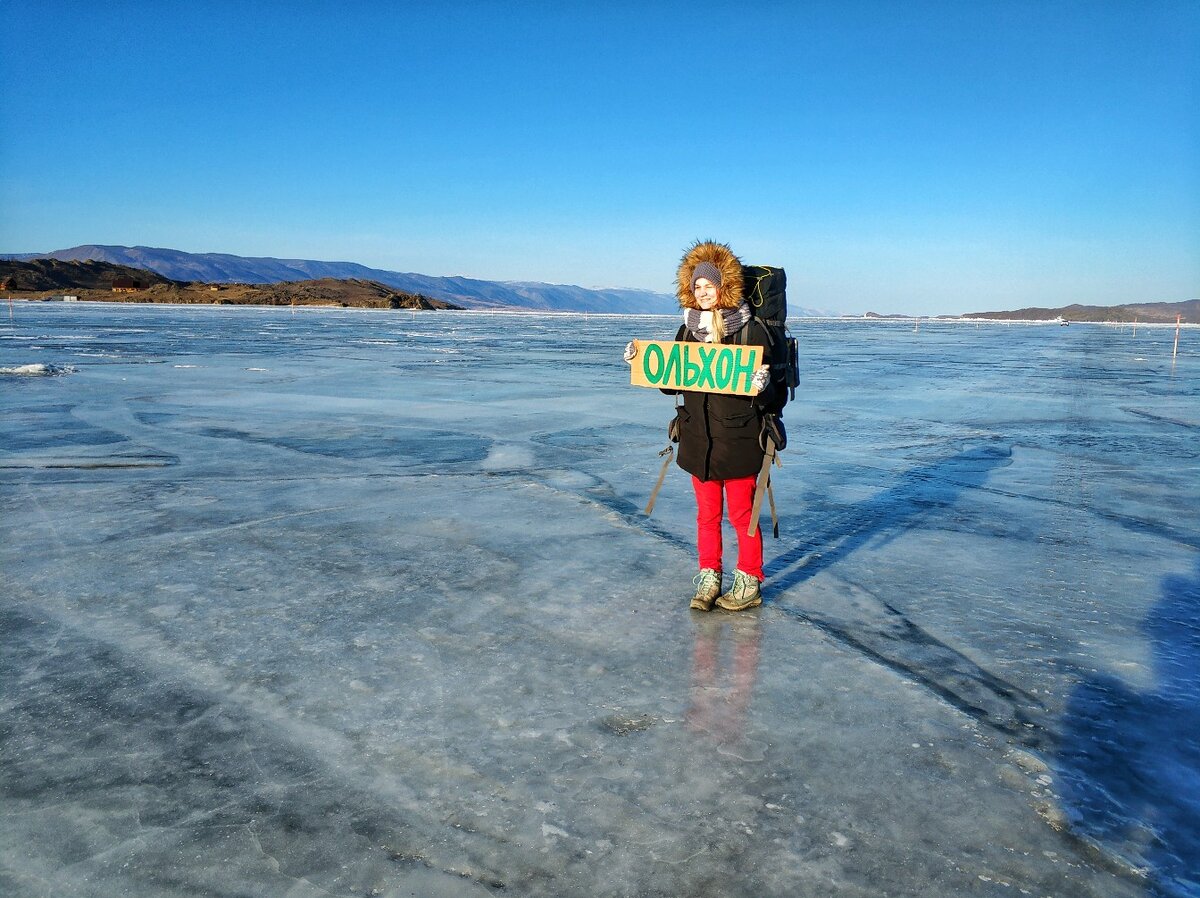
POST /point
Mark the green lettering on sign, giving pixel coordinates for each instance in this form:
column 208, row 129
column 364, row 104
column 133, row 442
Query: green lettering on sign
column 743, row 365
column 706, row 367
column 674, row 366
column 691, row 370
column 724, row 370
column 653, row 351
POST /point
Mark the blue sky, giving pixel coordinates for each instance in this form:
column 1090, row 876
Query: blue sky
column 922, row 157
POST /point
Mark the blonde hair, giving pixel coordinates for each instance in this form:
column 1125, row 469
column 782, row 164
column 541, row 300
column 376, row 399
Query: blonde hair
column 718, row 323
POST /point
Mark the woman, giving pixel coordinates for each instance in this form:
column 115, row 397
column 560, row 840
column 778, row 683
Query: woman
column 719, row 433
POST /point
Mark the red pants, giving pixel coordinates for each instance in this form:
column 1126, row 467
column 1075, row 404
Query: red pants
column 709, row 495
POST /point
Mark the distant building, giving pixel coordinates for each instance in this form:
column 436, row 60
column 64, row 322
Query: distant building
column 127, row 285
column 64, row 298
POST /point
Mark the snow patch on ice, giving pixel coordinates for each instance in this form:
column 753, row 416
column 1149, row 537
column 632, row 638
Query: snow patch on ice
column 506, row 458
column 41, row 369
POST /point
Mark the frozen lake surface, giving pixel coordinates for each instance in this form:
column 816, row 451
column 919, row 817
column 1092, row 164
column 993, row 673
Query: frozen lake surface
column 363, row 603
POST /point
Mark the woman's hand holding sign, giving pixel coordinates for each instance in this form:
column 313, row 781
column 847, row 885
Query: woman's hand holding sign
column 760, row 378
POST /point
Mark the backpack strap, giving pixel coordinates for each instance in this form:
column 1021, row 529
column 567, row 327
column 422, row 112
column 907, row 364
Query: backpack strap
column 774, row 514
column 669, row 454
column 764, row 487
column 743, row 337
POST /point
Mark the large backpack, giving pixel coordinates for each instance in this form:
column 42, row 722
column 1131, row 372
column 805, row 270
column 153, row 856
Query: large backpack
column 766, row 292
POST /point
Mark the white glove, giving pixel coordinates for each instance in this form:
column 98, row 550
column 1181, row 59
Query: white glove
column 760, row 379
column 630, row 351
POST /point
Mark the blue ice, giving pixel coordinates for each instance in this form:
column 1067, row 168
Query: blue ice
column 338, row 602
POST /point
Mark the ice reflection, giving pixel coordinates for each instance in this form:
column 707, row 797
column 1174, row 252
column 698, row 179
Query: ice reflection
column 723, row 681
column 1130, row 759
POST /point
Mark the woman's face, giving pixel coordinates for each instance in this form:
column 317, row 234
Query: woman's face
column 707, row 293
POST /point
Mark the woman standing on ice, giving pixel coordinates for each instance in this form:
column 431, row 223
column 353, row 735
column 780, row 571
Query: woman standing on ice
column 718, row 432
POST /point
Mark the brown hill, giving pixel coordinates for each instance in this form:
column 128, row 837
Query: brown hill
column 346, row 292
column 99, row 281
column 42, row 275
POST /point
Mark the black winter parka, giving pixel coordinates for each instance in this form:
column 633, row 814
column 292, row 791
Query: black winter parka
column 719, row 433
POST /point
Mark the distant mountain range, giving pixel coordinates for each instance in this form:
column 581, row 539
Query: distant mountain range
column 470, row 293
column 221, row 268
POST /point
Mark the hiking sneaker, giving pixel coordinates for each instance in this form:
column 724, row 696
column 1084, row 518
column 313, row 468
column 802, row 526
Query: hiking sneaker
column 742, row 595
column 708, row 587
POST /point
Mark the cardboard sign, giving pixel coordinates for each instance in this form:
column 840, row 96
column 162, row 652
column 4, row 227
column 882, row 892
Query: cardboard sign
column 702, row 367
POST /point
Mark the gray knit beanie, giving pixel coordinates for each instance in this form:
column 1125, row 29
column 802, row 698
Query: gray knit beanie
column 706, row 270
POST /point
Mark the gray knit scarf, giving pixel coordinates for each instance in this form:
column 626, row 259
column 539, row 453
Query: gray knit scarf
column 734, row 320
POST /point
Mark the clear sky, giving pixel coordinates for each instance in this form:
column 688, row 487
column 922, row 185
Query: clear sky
column 922, row 157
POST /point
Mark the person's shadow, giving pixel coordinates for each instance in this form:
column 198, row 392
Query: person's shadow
column 1129, row 762
column 828, row 536
column 881, row 629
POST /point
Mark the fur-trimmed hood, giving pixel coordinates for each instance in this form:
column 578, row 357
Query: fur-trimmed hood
column 730, row 266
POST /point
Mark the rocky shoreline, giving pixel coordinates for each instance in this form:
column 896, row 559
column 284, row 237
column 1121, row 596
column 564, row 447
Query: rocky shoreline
column 105, row 282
